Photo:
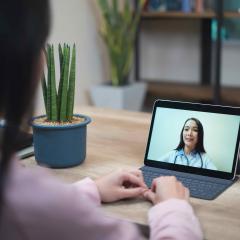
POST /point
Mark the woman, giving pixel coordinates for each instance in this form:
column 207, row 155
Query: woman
column 190, row 150
column 35, row 205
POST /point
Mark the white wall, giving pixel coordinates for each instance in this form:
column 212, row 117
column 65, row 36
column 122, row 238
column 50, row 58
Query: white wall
column 230, row 64
column 170, row 50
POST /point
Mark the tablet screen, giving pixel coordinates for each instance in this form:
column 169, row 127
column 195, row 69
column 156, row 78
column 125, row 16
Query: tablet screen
column 194, row 138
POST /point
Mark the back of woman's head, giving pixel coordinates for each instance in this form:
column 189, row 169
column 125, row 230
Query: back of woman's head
column 24, row 26
column 23, row 31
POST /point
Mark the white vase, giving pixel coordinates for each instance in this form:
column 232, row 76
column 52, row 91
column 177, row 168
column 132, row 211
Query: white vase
column 129, row 97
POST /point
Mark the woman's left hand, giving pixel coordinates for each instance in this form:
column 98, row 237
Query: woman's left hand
column 121, row 184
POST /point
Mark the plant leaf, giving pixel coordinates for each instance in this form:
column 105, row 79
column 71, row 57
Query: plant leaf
column 49, row 83
column 64, row 87
column 44, row 90
column 71, row 87
column 119, row 31
column 53, row 92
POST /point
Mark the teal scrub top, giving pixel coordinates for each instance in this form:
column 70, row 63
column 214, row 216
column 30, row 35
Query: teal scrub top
column 193, row 159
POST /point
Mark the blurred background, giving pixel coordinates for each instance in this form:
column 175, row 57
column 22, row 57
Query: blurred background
column 183, row 49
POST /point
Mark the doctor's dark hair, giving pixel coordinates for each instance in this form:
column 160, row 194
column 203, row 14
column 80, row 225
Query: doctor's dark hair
column 24, row 26
column 200, row 146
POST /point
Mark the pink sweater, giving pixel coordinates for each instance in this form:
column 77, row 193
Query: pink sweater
column 38, row 206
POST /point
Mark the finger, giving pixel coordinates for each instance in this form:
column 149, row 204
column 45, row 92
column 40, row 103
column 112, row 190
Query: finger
column 171, row 178
column 149, row 195
column 180, row 185
column 154, row 184
column 132, row 179
column 138, row 173
column 180, row 188
column 183, row 191
column 187, row 194
column 131, row 192
column 155, row 181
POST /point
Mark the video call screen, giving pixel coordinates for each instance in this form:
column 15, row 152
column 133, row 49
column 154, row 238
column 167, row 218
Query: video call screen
column 193, row 138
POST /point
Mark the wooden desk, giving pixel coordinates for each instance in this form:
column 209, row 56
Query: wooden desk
column 117, row 139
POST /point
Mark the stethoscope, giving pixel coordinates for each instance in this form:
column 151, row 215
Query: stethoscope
column 175, row 160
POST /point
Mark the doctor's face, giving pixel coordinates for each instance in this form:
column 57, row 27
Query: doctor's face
column 190, row 134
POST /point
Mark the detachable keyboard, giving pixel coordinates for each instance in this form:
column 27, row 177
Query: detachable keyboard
column 203, row 187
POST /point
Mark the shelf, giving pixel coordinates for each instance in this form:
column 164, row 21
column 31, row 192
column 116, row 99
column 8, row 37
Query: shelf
column 231, row 95
column 180, row 91
column 192, row 92
column 210, row 73
column 231, row 42
column 232, row 15
column 173, row 14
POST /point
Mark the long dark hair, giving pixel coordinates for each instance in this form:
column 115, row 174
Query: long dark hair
column 200, row 146
column 24, row 26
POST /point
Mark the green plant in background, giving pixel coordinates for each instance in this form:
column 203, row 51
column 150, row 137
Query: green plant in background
column 59, row 103
column 119, row 31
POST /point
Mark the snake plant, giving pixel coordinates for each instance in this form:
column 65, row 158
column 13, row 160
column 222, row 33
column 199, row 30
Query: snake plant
column 59, row 102
column 119, row 31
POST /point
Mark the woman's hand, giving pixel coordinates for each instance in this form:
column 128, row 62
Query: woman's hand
column 121, row 184
column 164, row 188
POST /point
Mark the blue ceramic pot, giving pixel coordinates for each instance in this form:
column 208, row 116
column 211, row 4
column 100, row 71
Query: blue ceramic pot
column 60, row 146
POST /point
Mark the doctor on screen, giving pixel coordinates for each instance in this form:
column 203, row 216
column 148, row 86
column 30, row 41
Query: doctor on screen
column 190, row 150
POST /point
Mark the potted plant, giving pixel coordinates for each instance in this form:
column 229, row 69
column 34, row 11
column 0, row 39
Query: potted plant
column 119, row 31
column 60, row 136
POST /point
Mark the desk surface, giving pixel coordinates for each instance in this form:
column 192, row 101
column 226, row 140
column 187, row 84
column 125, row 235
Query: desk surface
column 117, row 139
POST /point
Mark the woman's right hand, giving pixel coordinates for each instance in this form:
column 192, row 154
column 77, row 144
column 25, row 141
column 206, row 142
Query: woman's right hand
column 165, row 188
